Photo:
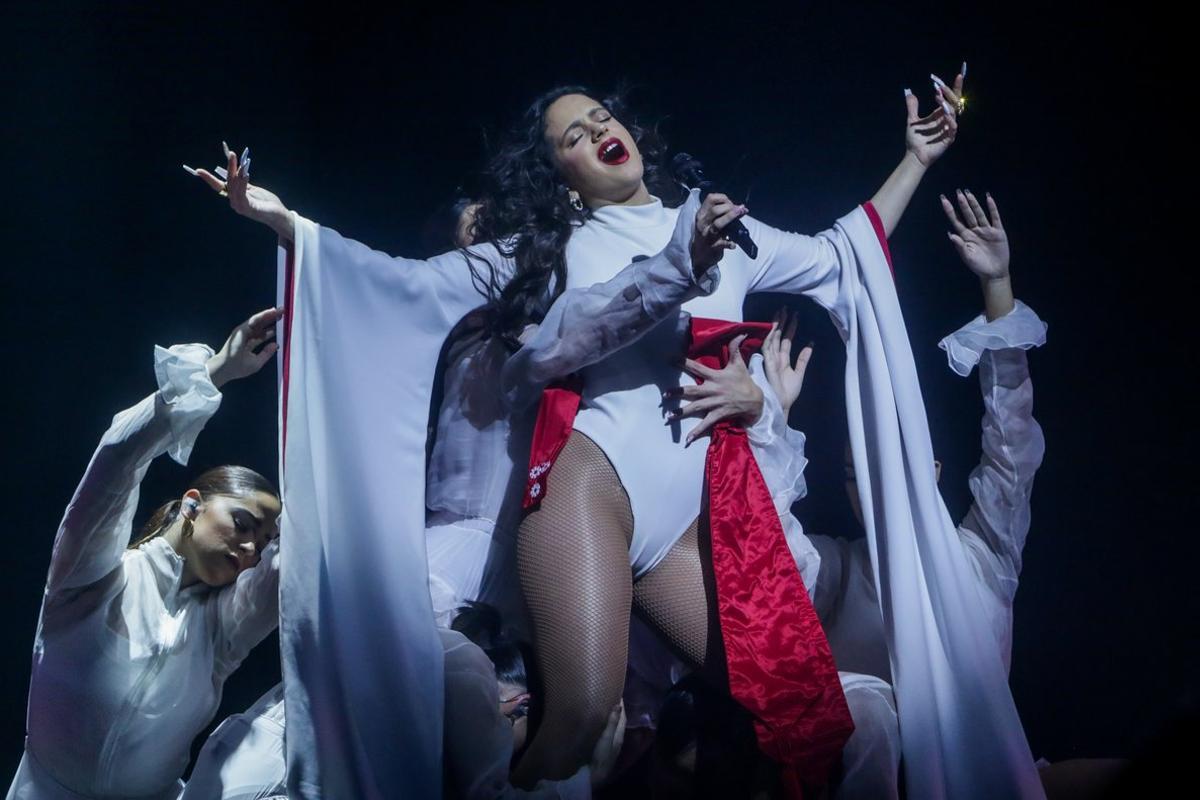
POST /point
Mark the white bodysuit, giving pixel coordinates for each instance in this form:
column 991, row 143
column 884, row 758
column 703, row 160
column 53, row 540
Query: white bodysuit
column 128, row 666
column 622, row 409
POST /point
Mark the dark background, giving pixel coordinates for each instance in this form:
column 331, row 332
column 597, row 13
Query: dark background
column 365, row 123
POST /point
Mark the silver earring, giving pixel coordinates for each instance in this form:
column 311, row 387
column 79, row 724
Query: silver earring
column 576, row 203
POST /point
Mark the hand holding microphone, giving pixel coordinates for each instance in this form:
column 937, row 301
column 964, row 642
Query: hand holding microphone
column 719, row 217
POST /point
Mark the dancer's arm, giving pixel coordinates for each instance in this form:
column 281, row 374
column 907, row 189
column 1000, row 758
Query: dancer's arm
column 994, row 529
column 96, row 527
column 452, row 283
column 247, row 611
column 584, row 326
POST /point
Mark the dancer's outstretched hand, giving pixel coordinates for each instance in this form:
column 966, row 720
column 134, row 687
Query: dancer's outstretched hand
column 247, row 349
column 785, row 376
column 708, row 238
column 608, row 749
column 930, row 136
column 979, row 237
column 252, row 202
column 728, row 393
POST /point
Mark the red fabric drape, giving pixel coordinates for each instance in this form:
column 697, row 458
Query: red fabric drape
column 779, row 662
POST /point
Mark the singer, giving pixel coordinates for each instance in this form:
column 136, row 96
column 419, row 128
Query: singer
column 572, row 196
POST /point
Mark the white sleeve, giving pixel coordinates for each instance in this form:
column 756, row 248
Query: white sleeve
column 96, row 527
column 587, row 324
column 994, row 529
column 247, row 611
column 479, row 738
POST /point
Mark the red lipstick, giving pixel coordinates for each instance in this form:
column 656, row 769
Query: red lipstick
column 612, row 152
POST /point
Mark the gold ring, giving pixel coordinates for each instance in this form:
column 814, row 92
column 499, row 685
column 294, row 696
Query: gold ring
column 224, row 192
column 962, row 105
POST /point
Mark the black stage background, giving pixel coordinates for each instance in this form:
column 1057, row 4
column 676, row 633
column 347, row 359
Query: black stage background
column 364, row 123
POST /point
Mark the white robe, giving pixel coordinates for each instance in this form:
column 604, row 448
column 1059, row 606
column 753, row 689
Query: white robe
column 128, row 666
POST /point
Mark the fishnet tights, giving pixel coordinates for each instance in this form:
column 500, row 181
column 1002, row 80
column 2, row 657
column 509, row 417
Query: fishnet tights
column 573, row 560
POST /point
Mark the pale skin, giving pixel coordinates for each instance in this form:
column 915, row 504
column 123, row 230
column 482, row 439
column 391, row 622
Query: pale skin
column 221, row 536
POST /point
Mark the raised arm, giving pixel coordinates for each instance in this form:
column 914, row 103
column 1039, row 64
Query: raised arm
column 584, row 326
column 98, row 522
column 994, row 529
column 96, row 527
column 812, row 265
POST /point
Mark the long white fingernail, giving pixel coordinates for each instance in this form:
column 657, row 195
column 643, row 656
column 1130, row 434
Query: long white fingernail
column 946, row 107
column 190, row 171
column 963, row 71
column 222, row 173
column 908, row 92
column 936, row 80
column 246, row 168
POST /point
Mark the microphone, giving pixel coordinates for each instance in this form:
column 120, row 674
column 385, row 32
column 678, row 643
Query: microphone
column 689, row 171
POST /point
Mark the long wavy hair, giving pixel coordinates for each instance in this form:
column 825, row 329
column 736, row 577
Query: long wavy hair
column 526, row 213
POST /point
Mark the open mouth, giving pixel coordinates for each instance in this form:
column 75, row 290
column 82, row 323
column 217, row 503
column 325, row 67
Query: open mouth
column 612, row 152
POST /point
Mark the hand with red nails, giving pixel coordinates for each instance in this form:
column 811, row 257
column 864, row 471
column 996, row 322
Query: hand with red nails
column 726, row 394
column 708, row 240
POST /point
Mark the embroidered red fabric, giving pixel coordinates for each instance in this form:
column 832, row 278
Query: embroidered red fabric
column 555, row 418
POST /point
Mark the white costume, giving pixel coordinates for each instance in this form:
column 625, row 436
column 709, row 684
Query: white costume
column 360, row 652
column 128, row 666
column 992, row 536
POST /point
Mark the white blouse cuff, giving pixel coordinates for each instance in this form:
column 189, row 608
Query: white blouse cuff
column 1020, row 328
column 188, row 393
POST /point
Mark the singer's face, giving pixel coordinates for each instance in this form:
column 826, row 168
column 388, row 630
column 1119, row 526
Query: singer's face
column 595, row 154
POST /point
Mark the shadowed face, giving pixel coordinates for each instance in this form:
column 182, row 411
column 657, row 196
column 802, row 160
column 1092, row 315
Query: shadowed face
column 514, row 704
column 228, row 534
column 595, row 155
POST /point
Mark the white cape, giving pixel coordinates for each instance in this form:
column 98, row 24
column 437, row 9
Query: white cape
column 960, row 733
column 362, row 663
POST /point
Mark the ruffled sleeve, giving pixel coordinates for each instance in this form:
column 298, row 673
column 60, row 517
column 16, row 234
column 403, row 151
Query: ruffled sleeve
column 1019, row 329
column 97, row 525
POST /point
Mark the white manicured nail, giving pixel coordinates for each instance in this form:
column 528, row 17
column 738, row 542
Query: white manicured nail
column 908, row 92
column 222, row 173
column 963, row 71
column 946, row 108
column 936, row 80
column 190, row 171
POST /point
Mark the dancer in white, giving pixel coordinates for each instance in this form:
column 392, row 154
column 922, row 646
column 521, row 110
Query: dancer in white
column 134, row 643
column 991, row 535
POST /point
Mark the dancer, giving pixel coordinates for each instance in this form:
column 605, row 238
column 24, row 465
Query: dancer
column 992, row 534
column 134, row 643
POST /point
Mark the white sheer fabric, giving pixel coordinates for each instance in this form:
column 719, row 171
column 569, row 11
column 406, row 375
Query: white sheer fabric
column 128, row 666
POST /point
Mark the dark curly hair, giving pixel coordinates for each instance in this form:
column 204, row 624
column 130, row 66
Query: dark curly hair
column 526, row 213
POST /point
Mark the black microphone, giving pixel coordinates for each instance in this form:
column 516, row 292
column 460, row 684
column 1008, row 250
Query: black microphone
column 688, row 171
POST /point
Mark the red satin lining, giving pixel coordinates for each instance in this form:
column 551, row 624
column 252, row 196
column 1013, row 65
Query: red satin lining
column 289, row 311
column 779, row 662
column 880, row 233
